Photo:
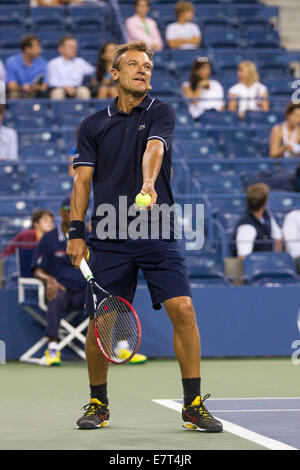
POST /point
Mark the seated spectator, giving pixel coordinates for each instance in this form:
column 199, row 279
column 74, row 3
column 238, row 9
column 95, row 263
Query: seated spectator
column 291, row 235
column 65, row 74
column 257, row 228
column 2, row 71
column 26, row 72
column 203, row 92
column 65, row 285
column 42, row 222
column 8, row 140
column 103, row 85
column 285, row 137
column 141, row 28
column 248, row 94
column 183, row 34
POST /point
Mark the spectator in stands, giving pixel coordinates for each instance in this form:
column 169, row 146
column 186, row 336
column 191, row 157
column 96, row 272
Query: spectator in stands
column 2, row 71
column 291, row 235
column 141, row 28
column 256, row 229
column 8, row 140
column 103, row 85
column 248, row 94
column 26, row 72
column 53, row 3
column 285, row 137
column 183, row 34
column 65, row 285
column 66, row 73
column 42, row 222
column 203, row 92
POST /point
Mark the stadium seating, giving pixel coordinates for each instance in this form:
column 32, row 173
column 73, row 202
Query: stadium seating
column 266, row 267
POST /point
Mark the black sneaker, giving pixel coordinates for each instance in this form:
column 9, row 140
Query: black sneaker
column 197, row 418
column 96, row 415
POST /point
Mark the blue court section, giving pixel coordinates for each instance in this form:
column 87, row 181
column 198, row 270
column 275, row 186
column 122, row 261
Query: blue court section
column 233, row 321
column 276, row 418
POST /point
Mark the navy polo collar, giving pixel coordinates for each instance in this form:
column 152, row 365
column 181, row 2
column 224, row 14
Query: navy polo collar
column 145, row 104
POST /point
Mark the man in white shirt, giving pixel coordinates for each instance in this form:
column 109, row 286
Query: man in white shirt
column 8, row 140
column 291, row 233
column 183, row 34
column 65, row 73
column 257, row 228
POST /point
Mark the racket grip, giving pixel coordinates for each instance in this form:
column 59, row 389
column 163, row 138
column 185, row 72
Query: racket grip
column 85, row 269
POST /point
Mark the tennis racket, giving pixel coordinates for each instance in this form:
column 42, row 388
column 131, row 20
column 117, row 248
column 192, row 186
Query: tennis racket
column 115, row 321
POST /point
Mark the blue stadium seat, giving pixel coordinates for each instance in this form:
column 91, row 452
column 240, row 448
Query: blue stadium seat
column 17, row 206
column 51, row 19
column 259, row 118
column 222, row 37
column 205, row 148
column 36, row 107
column 33, row 136
column 197, row 167
column 92, row 40
column 90, row 55
column 190, row 132
column 283, row 202
column 50, row 39
column 268, row 266
column 164, row 86
column 237, row 149
column 233, row 203
column 25, row 120
column 183, row 118
column 261, row 38
column 219, row 118
column 251, row 166
column 217, row 183
column 11, row 38
column 207, row 268
column 89, row 18
column 45, row 186
column 13, row 186
column 278, row 86
column 222, row 135
column 36, row 150
column 41, row 168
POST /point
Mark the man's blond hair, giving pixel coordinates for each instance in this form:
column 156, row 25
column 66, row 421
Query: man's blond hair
column 257, row 196
column 131, row 46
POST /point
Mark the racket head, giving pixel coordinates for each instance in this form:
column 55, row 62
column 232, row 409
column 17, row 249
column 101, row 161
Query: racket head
column 116, row 320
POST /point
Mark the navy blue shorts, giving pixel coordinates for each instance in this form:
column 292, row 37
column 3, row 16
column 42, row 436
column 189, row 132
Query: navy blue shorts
column 115, row 266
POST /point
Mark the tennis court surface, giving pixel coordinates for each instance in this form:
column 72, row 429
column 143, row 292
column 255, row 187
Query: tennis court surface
column 257, row 399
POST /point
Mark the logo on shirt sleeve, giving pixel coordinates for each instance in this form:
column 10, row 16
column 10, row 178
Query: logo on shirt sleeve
column 76, row 155
column 40, row 259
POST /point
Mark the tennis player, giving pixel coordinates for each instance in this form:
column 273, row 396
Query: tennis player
column 126, row 149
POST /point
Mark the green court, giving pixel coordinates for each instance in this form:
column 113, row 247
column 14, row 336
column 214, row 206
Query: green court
column 39, row 406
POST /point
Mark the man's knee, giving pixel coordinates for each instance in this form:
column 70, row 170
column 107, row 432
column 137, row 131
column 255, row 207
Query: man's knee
column 57, row 93
column 83, row 93
column 182, row 312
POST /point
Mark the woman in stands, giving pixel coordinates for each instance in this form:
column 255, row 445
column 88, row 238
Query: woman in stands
column 103, row 85
column 248, row 94
column 285, row 137
column 202, row 92
column 140, row 27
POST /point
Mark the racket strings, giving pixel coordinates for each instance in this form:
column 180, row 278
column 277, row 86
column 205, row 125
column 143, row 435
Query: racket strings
column 117, row 329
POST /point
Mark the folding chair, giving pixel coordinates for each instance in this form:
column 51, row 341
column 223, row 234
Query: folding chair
column 31, row 296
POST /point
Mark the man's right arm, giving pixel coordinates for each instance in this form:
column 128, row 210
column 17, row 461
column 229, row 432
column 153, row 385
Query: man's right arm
column 77, row 248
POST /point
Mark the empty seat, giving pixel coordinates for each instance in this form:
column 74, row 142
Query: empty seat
column 164, row 86
column 87, row 18
column 232, row 203
column 259, row 118
column 208, row 268
column 190, row 132
column 11, row 38
column 44, row 168
column 238, row 149
column 44, row 185
column 205, row 148
column 36, row 150
column 217, row 183
column 266, row 266
column 15, row 206
column 51, row 19
column 222, row 37
column 262, row 38
column 10, row 186
column 219, row 118
column 93, row 40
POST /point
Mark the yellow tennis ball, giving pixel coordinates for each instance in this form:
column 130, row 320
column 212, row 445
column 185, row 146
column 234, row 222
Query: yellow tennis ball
column 143, row 200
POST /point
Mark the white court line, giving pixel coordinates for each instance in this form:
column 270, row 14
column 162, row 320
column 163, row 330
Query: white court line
column 264, row 441
column 250, row 411
column 249, row 398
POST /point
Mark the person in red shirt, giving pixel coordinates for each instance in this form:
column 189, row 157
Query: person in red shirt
column 42, row 222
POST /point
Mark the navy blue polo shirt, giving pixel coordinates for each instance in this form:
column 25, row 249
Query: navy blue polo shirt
column 50, row 255
column 113, row 143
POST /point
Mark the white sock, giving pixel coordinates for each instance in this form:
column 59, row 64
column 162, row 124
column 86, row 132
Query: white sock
column 52, row 345
column 123, row 345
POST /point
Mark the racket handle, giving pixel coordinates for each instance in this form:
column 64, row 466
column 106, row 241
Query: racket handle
column 85, row 269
